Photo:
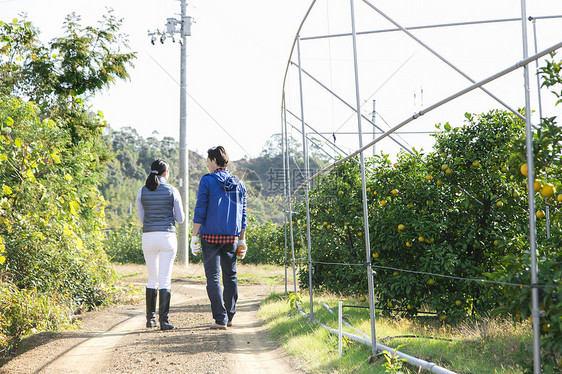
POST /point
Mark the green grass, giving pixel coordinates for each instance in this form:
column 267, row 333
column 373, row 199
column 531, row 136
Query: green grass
column 487, row 346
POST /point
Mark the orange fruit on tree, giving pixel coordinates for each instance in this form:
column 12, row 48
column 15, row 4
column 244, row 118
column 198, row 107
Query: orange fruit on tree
column 428, row 177
column 444, row 167
column 538, row 185
column 421, row 239
column 448, row 171
column 359, row 233
column 401, row 227
column 394, row 191
column 439, row 183
column 476, row 163
column 383, row 203
column 548, row 190
column 559, row 198
column 523, row 169
column 408, row 244
column 496, row 243
column 458, row 303
column 375, row 255
column 499, row 204
column 540, row 214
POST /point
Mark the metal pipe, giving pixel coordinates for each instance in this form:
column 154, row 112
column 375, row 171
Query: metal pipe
column 285, row 193
column 430, row 108
column 531, row 193
column 290, row 207
column 363, row 184
column 306, row 170
column 430, row 366
column 453, row 24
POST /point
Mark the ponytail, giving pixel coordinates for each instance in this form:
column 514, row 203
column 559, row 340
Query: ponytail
column 157, row 168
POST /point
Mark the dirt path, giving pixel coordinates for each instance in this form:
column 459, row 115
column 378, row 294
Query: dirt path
column 115, row 341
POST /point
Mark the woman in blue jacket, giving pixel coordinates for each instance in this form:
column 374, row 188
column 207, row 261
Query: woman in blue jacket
column 219, row 220
column 159, row 207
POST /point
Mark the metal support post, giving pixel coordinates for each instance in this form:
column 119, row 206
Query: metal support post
column 363, row 188
column 307, row 187
column 531, row 194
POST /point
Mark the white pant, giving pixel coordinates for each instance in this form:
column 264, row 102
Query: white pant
column 159, row 248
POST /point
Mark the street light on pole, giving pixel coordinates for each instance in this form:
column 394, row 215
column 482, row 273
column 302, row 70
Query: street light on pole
column 181, row 27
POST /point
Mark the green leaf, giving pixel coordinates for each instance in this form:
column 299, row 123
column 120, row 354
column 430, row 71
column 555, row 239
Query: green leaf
column 17, row 142
column 9, row 121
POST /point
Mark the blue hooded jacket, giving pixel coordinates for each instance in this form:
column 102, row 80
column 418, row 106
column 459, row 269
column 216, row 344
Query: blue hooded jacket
column 221, row 204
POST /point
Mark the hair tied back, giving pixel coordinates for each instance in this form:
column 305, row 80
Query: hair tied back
column 154, row 172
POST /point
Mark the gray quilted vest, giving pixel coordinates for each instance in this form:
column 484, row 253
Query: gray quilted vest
column 158, row 209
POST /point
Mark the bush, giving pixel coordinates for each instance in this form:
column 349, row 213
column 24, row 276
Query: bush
column 26, row 311
column 124, row 245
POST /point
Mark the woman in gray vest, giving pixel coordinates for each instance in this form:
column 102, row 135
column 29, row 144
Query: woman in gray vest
column 159, row 207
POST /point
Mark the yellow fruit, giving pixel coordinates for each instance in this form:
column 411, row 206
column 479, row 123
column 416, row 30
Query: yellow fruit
column 394, row 191
column 396, row 165
column 304, row 226
column 329, row 227
column 408, row 244
column 431, row 281
column 421, row 239
column 499, row 204
column 439, row 183
column 324, row 224
column 408, row 307
column 523, row 169
column 383, row 203
column 298, row 242
column 540, row 214
column 448, row 171
column 559, row 198
column 395, row 273
column 496, row 243
column 368, row 189
column 444, row 167
column 362, row 299
column 401, row 227
column 374, row 192
column 340, row 193
column 476, row 163
column 329, row 272
column 359, row 234
column 458, row 303
column 548, row 190
column 428, row 177
column 538, row 185
column 375, row 255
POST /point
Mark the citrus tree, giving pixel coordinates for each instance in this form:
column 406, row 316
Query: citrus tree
column 52, row 157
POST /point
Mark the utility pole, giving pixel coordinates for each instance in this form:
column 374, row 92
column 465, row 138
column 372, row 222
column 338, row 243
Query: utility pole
column 183, row 28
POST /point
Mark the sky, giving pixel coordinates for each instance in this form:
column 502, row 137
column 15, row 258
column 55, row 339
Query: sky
column 238, row 52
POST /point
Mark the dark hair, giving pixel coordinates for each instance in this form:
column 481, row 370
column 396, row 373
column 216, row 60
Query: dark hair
column 218, row 154
column 157, row 168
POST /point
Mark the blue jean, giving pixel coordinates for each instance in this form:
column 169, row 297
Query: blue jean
column 223, row 303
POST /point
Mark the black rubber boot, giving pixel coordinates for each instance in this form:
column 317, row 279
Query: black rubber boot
column 151, row 295
column 164, row 308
